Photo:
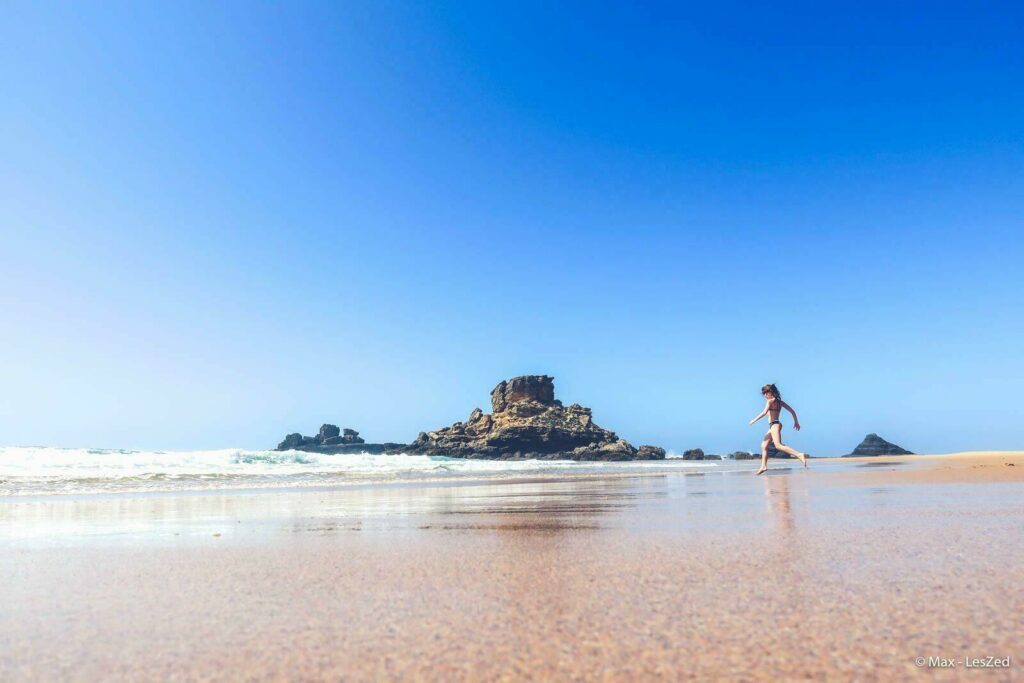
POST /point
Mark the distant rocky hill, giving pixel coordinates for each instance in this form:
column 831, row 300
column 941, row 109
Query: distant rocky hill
column 873, row 444
column 528, row 422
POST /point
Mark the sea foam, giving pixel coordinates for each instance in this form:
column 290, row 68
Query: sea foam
column 47, row 470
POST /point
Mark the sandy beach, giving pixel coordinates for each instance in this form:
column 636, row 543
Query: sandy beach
column 852, row 570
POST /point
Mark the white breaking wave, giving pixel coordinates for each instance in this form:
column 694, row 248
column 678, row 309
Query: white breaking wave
column 45, row 470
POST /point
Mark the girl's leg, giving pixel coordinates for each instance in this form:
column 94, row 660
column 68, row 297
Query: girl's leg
column 764, row 452
column 776, row 433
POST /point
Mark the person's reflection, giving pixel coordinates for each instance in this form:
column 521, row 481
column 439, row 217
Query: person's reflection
column 785, row 555
column 777, row 492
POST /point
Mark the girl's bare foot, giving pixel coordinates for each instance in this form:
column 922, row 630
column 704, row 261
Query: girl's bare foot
column 803, row 459
column 761, row 471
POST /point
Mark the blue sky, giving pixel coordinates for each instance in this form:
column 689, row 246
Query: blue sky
column 224, row 222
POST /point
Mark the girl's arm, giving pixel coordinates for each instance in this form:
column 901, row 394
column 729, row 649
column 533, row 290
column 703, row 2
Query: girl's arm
column 762, row 413
column 796, row 420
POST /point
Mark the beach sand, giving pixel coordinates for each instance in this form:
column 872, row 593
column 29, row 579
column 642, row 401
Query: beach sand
column 850, row 570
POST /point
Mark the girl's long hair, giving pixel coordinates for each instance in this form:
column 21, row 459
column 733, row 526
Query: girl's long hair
column 771, row 389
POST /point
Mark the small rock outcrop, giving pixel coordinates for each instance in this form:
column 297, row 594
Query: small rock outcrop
column 650, row 453
column 699, row 454
column 744, row 455
column 290, row 442
column 331, row 439
column 527, row 422
column 873, row 445
column 328, row 432
column 338, row 439
column 775, row 453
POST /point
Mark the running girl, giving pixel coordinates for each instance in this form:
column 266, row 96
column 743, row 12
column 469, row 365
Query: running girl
column 773, row 408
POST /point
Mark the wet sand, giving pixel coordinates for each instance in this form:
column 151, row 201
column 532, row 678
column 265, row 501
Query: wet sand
column 850, row 570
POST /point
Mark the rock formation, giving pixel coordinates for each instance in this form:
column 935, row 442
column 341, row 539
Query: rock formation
column 331, row 439
column 744, row 455
column 774, row 453
column 528, row 422
column 650, row 453
column 873, row 444
column 699, row 454
column 328, row 432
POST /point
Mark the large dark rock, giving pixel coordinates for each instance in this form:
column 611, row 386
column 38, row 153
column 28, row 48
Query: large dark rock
column 693, row 454
column 775, row 453
column 349, row 439
column 290, row 441
column 527, row 422
column 873, row 444
column 744, row 455
column 650, row 453
column 538, row 389
column 328, row 431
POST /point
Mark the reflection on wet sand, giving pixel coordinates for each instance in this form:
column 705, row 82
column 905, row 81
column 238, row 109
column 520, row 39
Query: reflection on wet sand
column 691, row 502
column 779, row 508
column 547, row 505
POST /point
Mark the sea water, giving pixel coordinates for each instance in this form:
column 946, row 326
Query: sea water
column 48, row 470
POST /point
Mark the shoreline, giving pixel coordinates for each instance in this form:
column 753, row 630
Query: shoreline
column 650, row 468
column 848, row 573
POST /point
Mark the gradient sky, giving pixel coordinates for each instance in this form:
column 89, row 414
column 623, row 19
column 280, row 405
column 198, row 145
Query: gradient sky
column 222, row 222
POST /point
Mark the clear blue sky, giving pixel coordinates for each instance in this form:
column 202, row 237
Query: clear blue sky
column 226, row 221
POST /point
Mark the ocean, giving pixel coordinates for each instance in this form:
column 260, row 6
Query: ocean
column 49, row 471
